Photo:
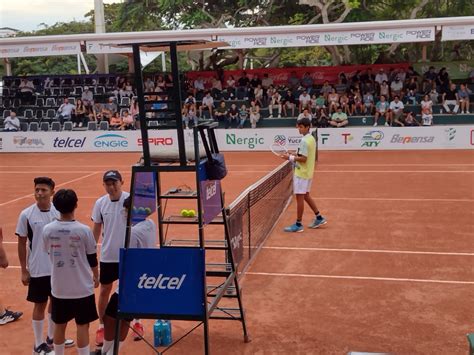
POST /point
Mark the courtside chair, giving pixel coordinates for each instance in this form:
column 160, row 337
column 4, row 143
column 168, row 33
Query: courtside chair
column 50, row 113
column 100, row 90
column 28, row 114
column 104, row 126
column 56, row 126
column 78, row 90
column 50, row 102
column 23, row 126
column 39, row 114
column 6, row 113
column 67, row 126
column 92, row 126
column 39, row 102
column 33, row 127
column 44, row 126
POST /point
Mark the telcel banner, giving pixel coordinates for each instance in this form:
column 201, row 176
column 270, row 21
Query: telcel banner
column 160, row 282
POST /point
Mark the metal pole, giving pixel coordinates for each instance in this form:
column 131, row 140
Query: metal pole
column 78, row 64
column 177, row 102
column 141, row 104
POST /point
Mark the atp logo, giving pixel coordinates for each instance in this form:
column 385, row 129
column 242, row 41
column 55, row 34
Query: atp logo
column 279, row 139
column 372, row 139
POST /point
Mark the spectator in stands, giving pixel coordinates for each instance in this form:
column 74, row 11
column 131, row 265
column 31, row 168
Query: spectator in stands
column 11, row 123
column 128, row 121
column 126, row 90
column 318, row 103
column 65, row 111
column 258, row 94
column 293, row 81
column 307, row 82
column 169, row 80
column 207, row 104
column 368, row 105
column 326, row 89
column 26, row 90
column 410, row 97
column 344, row 103
column 289, row 103
column 402, row 75
column 216, row 88
column 149, row 85
column 230, row 88
column 275, row 103
column 160, row 84
column 381, row 76
column 411, row 73
column 322, row 119
column 396, row 87
column 381, row 109
column 430, row 75
column 115, row 122
column 267, row 83
column 243, row 86
column 87, row 97
column 255, row 82
column 442, row 80
column 357, row 104
column 339, row 118
column 80, row 116
column 109, row 109
column 368, row 76
column 427, row 111
column 342, row 83
column 356, row 78
column 463, row 96
column 221, row 112
column 396, row 111
column 233, row 116
column 304, row 101
column 450, row 97
column 305, row 114
column 254, row 113
column 134, row 110
column 198, row 86
column 409, row 119
column 243, row 115
column 368, row 87
column 189, row 112
column 333, row 101
column 95, row 113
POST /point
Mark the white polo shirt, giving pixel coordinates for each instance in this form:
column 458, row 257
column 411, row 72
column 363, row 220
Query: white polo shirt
column 113, row 216
column 68, row 243
column 30, row 225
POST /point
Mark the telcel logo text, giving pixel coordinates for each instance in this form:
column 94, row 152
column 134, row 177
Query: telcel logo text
column 161, row 282
column 68, row 142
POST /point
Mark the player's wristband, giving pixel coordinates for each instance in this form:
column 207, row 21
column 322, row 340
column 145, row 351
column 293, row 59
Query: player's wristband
column 291, row 157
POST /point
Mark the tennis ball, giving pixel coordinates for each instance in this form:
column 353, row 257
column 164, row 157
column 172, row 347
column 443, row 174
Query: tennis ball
column 147, row 210
column 191, row 213
column 184, row 213
column 141, row 210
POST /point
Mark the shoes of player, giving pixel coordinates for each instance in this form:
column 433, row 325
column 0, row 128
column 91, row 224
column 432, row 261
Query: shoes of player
column 318, row 222
column 99, row 337
column 294, row 228
column 10, row 316
column 43, row 349
column 138, row 331
column 386, row 124
column 375, row 124
column 67, row 344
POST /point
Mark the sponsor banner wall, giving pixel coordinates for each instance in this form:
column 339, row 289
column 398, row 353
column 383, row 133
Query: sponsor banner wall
column 331, row 38
column 456, row 33
column 280, row 76
column 39, row 50
column 357, row 138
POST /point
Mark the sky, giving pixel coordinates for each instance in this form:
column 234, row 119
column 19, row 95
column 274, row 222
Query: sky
column 26, row 15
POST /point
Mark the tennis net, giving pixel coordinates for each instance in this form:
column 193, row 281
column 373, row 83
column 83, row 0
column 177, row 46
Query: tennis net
column 255, row 212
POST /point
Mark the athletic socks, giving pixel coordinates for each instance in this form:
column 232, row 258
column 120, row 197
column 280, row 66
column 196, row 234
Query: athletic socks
column 50, row 327
column 298, row 223
column 38, row 332
column 83, row 351
column 318, row 216
column 59, row 349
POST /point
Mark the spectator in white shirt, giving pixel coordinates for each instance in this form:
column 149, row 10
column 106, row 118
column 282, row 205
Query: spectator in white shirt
column 396, row 111
column 381, row 76
column 396, row 87
column 87, row 97
column 198, row 85
column 11, row 123
column 304, row 100
column 65, row 111
column 207, row 104
column 275, row 102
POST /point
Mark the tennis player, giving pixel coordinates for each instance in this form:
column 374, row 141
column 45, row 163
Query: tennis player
column 109, row 212
column 304, row 161
column 35, row 263
column 6, row 316
column 72, row 251
column 143, row 235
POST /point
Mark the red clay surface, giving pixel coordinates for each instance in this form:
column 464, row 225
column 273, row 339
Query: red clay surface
column 392, row 271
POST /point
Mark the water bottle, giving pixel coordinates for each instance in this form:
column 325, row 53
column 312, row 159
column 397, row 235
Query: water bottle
column 166, row 338
column 157, row 333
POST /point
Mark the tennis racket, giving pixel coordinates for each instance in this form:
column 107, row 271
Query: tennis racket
column 279, row 149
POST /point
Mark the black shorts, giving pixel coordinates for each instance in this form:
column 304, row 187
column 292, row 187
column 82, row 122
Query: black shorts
column 109, row 272
column 39, row 289
column 82, row 310
column 112, row 308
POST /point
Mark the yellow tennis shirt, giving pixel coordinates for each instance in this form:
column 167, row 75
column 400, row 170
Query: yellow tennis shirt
column 307, row 148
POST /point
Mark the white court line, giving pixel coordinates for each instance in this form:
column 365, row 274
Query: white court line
column 371, row 251
column 395, row 199
column 64, row 183
column 341, row 277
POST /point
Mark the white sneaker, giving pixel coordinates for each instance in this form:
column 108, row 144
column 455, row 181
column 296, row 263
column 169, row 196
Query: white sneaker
column 279, row 116
column 80, row 124
column 376, row 124
column 271, row 116
column 467, row 112
column 386, row 124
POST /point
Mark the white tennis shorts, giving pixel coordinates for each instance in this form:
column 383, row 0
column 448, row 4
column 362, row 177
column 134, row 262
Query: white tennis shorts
column 301, row 186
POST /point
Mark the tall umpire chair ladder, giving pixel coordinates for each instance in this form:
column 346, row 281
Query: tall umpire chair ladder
column 228, row 287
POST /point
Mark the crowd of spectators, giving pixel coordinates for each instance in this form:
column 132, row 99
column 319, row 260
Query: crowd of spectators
column 391, row 97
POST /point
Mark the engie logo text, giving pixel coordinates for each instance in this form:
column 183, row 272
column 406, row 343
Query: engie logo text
column 111, row 140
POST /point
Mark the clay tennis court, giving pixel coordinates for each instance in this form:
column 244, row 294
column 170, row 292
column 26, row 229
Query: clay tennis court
column 392, row 271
